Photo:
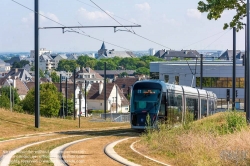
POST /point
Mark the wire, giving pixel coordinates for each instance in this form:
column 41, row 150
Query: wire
column 217, row 39
column 71, row 30
column 127, row 28
column 203, row 39
column 113, row 15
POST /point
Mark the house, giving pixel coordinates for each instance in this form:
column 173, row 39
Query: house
column 171, row 54
column 73, row 57
column 114, row 73
column 125, row 84
column 22, row 74
column 46, row 62
column 228, row 55
column 89, row 75
column 64, row 75
column 4, row 68
column 70, row 95
column 14, row 59
column 41, row 51
column 114, row 96
column 105, row 53
column 58, row 58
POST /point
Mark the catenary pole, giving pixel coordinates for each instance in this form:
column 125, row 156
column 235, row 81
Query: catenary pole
column 66, row 95
column 85, row 98
column 247, row 66
column 36, row 50
column 201, row 71
column 60, row 112
column 234, row 68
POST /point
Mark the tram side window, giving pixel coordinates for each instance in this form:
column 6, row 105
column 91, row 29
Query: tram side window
column 211, row 106
column 203, row 108
column 192, row 107
column 163, row 105
column 174, row 107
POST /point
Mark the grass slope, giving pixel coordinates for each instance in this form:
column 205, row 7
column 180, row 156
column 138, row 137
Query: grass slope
column 13, row 124
column 221, row 139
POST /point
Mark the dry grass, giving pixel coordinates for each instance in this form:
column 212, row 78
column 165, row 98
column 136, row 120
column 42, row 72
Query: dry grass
column 123, row 149
column 10, row 145
column 203, row 144
column 39, row 154
column 14, row 124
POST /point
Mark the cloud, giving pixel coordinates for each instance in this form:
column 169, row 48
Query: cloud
column 30, row 17
column 170, row 21
column 193, row 13
column 143, row 7
column 95, row 15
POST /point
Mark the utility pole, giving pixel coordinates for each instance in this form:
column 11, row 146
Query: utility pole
column 234, row 68
column 85, row 93
column 37, row 77
column 105, row 100
column 66, row 94
column 80, row 107
column 60, row 112
column 10, row 99
column 245, row 69
column 74, row 94
column 116, row 97
column 247, row 66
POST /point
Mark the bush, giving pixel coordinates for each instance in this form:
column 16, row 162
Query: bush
column 235, row 121
column 95, row 111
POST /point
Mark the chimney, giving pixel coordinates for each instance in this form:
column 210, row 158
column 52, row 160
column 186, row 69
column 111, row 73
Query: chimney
column 100, row 87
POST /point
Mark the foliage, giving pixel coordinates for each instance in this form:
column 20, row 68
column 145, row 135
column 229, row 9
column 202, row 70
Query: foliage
column 67, row 65
column 20, row 64
column 142, row 70
column 32, row 68
column 82, row 61
column 49, row 100
column 123, row 74
column 235, row 122
column 215, row 9
column 54, row 77
column 41, row 73
column 5, row 91
column 4, row 101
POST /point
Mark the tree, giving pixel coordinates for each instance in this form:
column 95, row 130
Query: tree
column 142, row 70
column 123, row 74
column 215, row 8
column 5, row 91
column 82, row 60
column 67, row 65
column 20, row 64
column 50, row 100
column 4, row 101
column 54, row 77
column 41, row 73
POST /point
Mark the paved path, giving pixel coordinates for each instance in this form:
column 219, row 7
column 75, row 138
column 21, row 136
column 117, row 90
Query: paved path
column 109, row 150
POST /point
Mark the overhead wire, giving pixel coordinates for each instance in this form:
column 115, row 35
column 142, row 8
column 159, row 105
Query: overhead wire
column 203, row 39
column 217, row 38
column 113, row 14
column 72, row 30
column 127, row 28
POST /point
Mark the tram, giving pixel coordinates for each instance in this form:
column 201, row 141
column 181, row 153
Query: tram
column 162, row 101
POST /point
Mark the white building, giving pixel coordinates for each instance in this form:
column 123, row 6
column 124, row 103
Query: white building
column 46, row 62
column 41, row 51
column 217, row 77
column 151, row 51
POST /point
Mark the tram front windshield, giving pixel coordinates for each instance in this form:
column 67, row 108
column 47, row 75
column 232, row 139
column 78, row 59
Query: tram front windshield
column 145, row 100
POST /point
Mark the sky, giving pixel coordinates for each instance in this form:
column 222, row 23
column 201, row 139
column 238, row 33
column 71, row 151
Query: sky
column 169, row 24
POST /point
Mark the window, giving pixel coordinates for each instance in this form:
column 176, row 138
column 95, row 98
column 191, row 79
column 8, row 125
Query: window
column 174, row 108
column 176, row 80
column 166, row 78
column 220, row 82
column 154, row 75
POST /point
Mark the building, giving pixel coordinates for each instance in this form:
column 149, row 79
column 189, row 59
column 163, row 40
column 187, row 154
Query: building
column 114, row 73
column 41, row 51
column 46, row 62
column 125, row 84
column 228, row 55
column 105, row 53
column 91, row 76
column 151, row 51
column 173, row 55
column 58, row 58
column 95, row 98
column 217, row 77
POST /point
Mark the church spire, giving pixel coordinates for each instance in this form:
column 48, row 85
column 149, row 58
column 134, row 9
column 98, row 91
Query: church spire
column 103, row 46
